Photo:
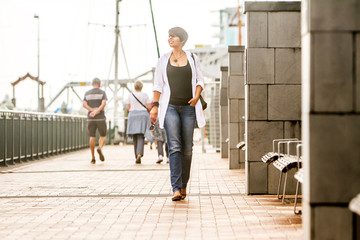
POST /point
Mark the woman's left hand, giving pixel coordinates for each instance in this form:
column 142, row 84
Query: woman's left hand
column 193, row 101
column 154, row 114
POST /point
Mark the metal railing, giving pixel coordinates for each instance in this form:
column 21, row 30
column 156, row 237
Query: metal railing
column 26, row 136
column 212, row 114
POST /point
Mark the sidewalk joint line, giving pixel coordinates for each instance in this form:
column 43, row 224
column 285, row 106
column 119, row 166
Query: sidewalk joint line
column 105, row 170
column 75, row 171
column 124, row 195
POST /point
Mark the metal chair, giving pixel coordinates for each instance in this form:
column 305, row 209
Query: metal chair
column 284, row 164
column 274, row 155
column 354, row 204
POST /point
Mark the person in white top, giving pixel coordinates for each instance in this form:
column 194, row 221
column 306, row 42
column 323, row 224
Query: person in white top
column 138, row 105
column 178, row 84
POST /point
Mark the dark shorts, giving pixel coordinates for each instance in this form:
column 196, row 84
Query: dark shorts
column 93, row 125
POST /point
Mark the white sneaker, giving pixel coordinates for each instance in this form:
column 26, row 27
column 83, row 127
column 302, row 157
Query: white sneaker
column 161, row 158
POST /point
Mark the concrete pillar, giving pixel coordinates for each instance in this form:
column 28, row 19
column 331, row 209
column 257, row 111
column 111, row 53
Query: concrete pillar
column 331, row 116
column 236, row 106
column 272, row 86
column 224, row 112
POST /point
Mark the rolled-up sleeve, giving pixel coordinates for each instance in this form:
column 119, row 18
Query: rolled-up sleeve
column 158, row 78
column 199, row 76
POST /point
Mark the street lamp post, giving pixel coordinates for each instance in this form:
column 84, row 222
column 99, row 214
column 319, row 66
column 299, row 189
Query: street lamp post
column 40, row 99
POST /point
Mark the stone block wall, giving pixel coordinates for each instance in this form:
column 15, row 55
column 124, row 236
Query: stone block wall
column 224, row 112
column 236, row 106
column 272, row 87
column 331, row 116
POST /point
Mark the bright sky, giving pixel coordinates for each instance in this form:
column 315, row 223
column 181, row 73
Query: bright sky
column 71, row 49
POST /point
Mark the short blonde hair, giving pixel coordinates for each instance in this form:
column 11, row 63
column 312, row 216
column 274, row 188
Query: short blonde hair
column 138, row 85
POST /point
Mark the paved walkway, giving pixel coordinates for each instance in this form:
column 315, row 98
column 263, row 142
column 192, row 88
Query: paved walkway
column 65, row 197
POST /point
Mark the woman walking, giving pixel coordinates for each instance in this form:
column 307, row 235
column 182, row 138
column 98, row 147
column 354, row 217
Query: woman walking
column 177, row 87
column 138, row 105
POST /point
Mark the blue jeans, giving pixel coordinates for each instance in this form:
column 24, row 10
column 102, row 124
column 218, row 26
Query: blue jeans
column 179, row 127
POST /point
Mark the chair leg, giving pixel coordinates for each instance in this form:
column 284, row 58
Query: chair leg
column 279, row 185
column 296, row 197
column 284, row 189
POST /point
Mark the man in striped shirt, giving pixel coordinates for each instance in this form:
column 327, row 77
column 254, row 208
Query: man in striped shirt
column 95, row 102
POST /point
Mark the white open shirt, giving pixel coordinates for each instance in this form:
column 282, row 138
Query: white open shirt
column 161, row 84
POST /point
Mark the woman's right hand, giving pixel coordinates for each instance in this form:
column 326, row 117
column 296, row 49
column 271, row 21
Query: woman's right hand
column 154, row 114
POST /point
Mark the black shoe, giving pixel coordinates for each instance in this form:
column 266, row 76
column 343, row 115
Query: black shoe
column 101, row 155
column 138, row 160
column 93, row 161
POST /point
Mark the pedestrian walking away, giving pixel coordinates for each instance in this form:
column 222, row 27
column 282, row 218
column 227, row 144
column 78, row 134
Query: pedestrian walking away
column 158, row 134
column 138, row 105
column 178, row 84
column 95, row 102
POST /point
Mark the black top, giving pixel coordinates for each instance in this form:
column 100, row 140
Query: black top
column 180, row 84
column 94, row 98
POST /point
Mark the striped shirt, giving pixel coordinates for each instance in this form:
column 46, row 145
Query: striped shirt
column 94, row 98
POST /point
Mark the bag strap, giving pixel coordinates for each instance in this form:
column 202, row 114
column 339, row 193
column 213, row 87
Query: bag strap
column 140, row 102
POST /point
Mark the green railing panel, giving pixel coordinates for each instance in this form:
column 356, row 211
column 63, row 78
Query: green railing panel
column 27, row 136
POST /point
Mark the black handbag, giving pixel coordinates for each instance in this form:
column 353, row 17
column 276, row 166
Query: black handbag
column 203, row 102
